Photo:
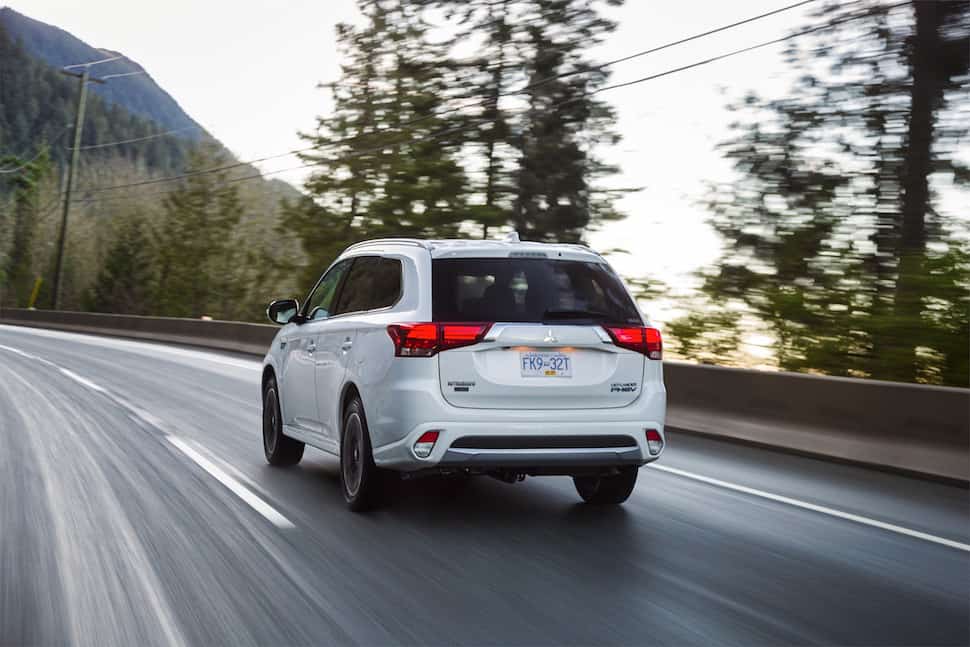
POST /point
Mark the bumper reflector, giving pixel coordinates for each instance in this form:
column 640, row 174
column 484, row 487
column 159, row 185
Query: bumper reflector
column 424, row 445
column 654, row 442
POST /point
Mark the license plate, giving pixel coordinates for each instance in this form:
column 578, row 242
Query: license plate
column 545, row 365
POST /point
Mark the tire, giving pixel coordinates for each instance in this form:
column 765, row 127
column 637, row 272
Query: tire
column 607, row 490
column 280, row 450
column 363, row 483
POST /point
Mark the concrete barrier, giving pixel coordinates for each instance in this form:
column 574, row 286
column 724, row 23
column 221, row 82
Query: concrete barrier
column 910, row 427
column 220, row 335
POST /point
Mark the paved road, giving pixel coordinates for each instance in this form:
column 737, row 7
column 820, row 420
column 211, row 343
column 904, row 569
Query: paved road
column 136, row 509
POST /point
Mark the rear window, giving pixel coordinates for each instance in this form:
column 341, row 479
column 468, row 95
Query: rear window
column 528, row 290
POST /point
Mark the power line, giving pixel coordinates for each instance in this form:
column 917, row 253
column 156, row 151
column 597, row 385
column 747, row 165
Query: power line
column 254, row 176
column 188, row 174
column 553, row 106
column 741, row 51
column 261, row 175
column 560, row 104
column 90, row 63
column 118, row 76
column 40, row 152
column 139, row 139
column 674, row 43
column 441, row 113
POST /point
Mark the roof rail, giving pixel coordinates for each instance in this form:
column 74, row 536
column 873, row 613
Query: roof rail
column 393, row 241
column 582, row 247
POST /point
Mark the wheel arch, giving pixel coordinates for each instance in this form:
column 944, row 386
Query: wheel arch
column 350, row 391
column 268, row 372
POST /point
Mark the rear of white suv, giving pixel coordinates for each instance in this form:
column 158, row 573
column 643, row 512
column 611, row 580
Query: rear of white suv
column 506, row 359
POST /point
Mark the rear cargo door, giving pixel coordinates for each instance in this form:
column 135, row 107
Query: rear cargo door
column 530, row 366
column 546, row 348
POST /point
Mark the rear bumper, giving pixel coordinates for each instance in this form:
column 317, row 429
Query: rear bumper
column 539, row 459
column 498, row 455
column 407, row 401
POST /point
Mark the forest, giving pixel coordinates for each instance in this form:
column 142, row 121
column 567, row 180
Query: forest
column 473, row 118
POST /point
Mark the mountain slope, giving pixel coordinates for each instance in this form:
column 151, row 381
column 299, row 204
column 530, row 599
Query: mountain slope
column 37, row 110
column 139, row 95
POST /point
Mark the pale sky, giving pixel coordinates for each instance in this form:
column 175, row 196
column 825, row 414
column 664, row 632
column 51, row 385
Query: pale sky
column 247, row 70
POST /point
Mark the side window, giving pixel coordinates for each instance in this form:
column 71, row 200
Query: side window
column 320, row 303
column 373, row 282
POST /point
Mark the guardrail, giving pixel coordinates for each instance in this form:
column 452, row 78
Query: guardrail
column 909, row 427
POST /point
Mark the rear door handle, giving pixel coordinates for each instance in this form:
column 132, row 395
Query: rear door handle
column 312, row 346
column 346, row 345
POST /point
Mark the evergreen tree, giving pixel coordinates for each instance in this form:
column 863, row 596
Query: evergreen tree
column 539, row 171
column 347, row 152
column 124, row 285
column 557, row 193
column 836, row 238
column 499, row 60
column 482, row 84
column 195, row 273
column 387, row 163
column 18, row 267
column 424, row 188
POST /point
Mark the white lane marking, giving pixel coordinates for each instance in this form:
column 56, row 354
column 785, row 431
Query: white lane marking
column 227, row 467
column 82, row 380
column 140, row 415
column 848, row 516
column 272, row 515
column 237, row 488
column 71, row 374
column 17, row 351
column 234, row 486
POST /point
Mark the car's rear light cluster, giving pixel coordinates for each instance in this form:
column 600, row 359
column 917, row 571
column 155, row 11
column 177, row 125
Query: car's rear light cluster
column 424, row 444
column 637, row 338
column 427, row 339
column 654, row 442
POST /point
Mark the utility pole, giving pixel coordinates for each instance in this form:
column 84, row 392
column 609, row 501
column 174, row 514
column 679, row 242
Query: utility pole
column 84, row 77
column 71, row 167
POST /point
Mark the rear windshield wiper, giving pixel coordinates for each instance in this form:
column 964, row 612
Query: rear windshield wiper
column 575, row 314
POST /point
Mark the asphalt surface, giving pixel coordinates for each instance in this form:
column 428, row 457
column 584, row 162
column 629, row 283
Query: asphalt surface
column 136, row 509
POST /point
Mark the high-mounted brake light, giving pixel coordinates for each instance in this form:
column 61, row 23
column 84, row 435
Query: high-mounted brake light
column 426, row 339
column 641, row 340
column 424, row 445
column 654, row 442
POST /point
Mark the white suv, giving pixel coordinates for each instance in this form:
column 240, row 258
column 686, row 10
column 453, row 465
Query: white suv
column 461, row 357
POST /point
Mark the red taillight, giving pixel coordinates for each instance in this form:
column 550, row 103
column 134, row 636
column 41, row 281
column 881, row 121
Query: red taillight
column 424, row 444
column 414, row 340
column 453, row 335
column 429, row 437
column 426, row 339
column 654, row 442
column 642, row 340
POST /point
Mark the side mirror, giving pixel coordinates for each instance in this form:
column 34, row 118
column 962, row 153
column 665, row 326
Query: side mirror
column 283, row 311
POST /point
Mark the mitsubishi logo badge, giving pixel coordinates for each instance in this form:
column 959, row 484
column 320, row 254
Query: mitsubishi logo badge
column 550, row 338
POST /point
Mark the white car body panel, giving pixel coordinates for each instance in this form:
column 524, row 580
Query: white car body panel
column 316, row 362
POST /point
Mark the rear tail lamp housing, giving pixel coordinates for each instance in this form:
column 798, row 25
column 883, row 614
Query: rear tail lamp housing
column 428, row 339
column 655, row 443
column 424, row 445
column 637, row 338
